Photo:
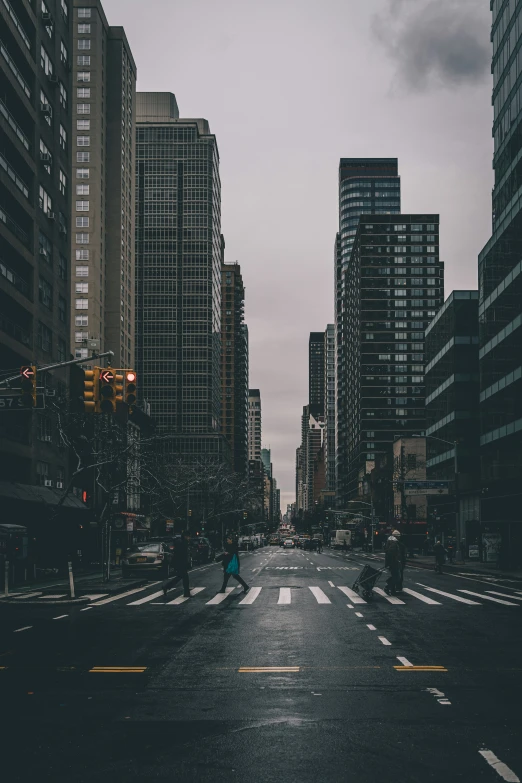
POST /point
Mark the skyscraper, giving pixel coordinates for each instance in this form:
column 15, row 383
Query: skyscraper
column 178, row 277
column 316, row 373
column 35, row 226
column 500, row 298
column 329, row 406
column 366, row 186
column 103, row 187
column 254, row 424
column 234, row 366
column 394, row 288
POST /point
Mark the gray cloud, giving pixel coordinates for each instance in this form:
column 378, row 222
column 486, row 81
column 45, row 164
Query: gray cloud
column 436, row 43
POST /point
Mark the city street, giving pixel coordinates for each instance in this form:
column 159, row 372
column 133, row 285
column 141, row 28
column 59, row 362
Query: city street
column 299, row 680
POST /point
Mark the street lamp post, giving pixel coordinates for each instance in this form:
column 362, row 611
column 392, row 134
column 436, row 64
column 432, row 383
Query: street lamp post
column 372, row 515
column 455, row 468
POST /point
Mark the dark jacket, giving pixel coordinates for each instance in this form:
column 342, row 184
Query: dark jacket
column 392, row 557
column 180, row 556
column 439, row 552
column 230, row 550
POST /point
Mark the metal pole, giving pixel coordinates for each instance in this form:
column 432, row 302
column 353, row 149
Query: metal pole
column 60, row 364
column 71, row 579
column 372, row 524
column 457, row 499
column 6, row 578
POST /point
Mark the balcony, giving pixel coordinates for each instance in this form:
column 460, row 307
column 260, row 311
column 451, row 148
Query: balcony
column 18, row 76
column 14, row 125
column 17, row 24
column 12, row 277
column 15, row 331
column 13, row 226
column 18, row 181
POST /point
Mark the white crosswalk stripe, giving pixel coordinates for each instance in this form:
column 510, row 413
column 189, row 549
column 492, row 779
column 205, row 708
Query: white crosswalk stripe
column 488, row 598
column 124, row 595
column 250, row 597
column 505, row 595
column 146, row 600
column 421, row 597
column 450, row 595
column 390, row 598
column 352, row 595
column 219, row 597
column 182, row 598
column 285, row 595
column 319, row 595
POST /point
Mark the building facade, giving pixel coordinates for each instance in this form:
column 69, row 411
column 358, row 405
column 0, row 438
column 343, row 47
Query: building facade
column 35, row 228
column 254, row 424
column 178, row 274
column 500, row 299
column 103, row 187
column 394, row 288
column 316, row 372
column 329, row 407
column 366, row 186
column 452, row 413
column 234, row 366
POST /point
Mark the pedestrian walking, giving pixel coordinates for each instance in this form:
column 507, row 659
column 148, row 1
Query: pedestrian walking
column 450, row 551
column 231, row 565
column 440, row 554
column 319, row 545
column 402, row 561
column 392, row 561
column 180, row 563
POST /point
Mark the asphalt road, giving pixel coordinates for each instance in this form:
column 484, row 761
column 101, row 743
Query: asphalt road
column 299, row 682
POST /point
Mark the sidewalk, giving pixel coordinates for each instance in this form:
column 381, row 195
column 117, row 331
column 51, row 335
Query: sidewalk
column 85, row 584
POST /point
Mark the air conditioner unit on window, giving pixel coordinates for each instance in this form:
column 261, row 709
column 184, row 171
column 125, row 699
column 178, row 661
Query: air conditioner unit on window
column 46, row 157
column 52, row 79
column 46, row 108
column 59, row 485
column 43, row 252
column 46, row 16
column 51, row 215
column 48, row 483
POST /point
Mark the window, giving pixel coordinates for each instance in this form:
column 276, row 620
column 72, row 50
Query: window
column 83, row 141
column 82, row 206
column 81, row 320
column 82, row 271
column 63, row 96
column 46, row 108
column 401, row 335
column 84, row 13
column 431, row 281
column 48, row 22
column 430, row 249
column 83, row 59
column 83, row 108
column 81, row 353
column 45, row 156
column 62, row 308
column 83, row 92
column 81, row 288
column 46, row 248
column 46, row 62
column 62, row 347
column 84, row 29
column 401, row 357
column 44, row 337
column 369, row 336
column 82, row 239
column 416, row 227
column 45, row 293
column 83, row 125
column 84, row 76
column 42, row 470
column 384, row 357
column 82, row 254
column 82, row 222
column 401, row 412
column 399, row 292
column 82, row 304
column 80, row 337
column 62, row 268
column 399, row 228
column 83, row 157
column 64, row 54
column 63, row 137
column 63, row 183
column 82, row 190
column 84, row 44
column 417, row 379
column 45, row 201
column 82, row 173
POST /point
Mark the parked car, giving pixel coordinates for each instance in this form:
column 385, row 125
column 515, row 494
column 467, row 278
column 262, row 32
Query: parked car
column 146, row 557
column 201, row 550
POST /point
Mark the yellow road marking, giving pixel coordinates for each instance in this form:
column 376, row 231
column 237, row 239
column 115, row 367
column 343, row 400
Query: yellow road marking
column 420, row 668
column 117, row 669
column 268, row 669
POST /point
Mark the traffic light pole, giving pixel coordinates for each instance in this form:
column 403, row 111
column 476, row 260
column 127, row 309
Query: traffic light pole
column 6, row 381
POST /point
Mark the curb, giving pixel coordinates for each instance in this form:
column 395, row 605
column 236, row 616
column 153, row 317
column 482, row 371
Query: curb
column 63, row 602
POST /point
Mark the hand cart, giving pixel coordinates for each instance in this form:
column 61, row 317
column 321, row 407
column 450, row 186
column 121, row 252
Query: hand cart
column 366, row 581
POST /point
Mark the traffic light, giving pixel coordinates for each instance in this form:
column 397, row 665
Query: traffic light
column 107, row 391
column 90, row 390
column 118, row 389
column 130, row 388
column 28, row 386
column 190, row 512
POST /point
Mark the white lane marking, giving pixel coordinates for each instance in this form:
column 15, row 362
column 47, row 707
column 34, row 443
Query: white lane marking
column 86, row 608
column 25, row 628
column 285, row 595
column 319, row 595
column 352, row 595
column 250, row 597
column 95, row 596
column 390, row 598
column 48, row 597
column 219, row 597
column 441, row 697
column 384, row 640
column 331, row 584
column 60, row 616
column 488, row 598
column 421, row 597
column 371, row 627
column 450, row 595
column 404, row 661
column 124, row 595
column 500, row 768
column 358, row 614
column 182, row 598
column 147, row 598
column 27, row 595
column 505, row 595
column 349, row 606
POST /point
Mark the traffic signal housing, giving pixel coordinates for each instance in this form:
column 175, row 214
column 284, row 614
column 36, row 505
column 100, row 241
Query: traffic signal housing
column 107, row 393
column 28, row 385
column 130, row 388
column 91, row 380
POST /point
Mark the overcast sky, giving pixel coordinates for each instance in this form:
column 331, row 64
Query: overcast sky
column 291, row 86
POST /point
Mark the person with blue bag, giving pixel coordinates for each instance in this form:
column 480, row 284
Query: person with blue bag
column 231, row 565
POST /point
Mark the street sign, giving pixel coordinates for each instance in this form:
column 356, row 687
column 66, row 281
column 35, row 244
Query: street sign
column 13, row 402
column 426, row 484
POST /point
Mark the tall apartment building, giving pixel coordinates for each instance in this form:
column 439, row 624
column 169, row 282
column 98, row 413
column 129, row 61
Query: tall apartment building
column 366, row 186
column 254, row 424
column 103, row 186
column 394, row 288
column 316, row 372
column 500, row 298
column 178, row 275
column 234, row 366
column 329, row 406
column 35, row 225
